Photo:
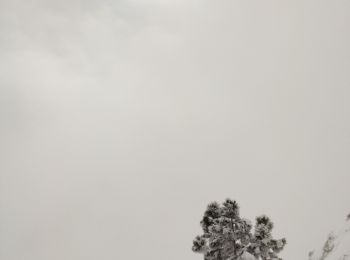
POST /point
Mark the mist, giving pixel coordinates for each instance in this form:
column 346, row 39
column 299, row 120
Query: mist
column 121, row 120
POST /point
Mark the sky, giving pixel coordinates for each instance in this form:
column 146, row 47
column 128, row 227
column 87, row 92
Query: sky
column 121, row 120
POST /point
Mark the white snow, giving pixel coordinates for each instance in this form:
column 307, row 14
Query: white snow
column 247, row 256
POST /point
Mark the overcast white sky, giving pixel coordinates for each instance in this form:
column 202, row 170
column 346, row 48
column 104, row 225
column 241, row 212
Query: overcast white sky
column 120, row 121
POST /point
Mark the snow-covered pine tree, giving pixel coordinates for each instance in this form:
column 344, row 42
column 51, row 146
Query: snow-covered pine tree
column 328, row 246
column 227, row 236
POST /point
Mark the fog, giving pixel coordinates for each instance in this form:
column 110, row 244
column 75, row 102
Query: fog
column 121, row 120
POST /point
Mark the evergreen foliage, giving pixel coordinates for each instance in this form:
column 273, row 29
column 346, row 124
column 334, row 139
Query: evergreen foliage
column 328, row 246
column 227, row 236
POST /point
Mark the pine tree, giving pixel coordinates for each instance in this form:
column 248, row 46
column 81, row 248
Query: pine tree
column 328, row 246
column 227, row 236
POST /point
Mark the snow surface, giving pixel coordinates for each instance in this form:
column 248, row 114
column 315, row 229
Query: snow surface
column 341, row 243
column 247, row 256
